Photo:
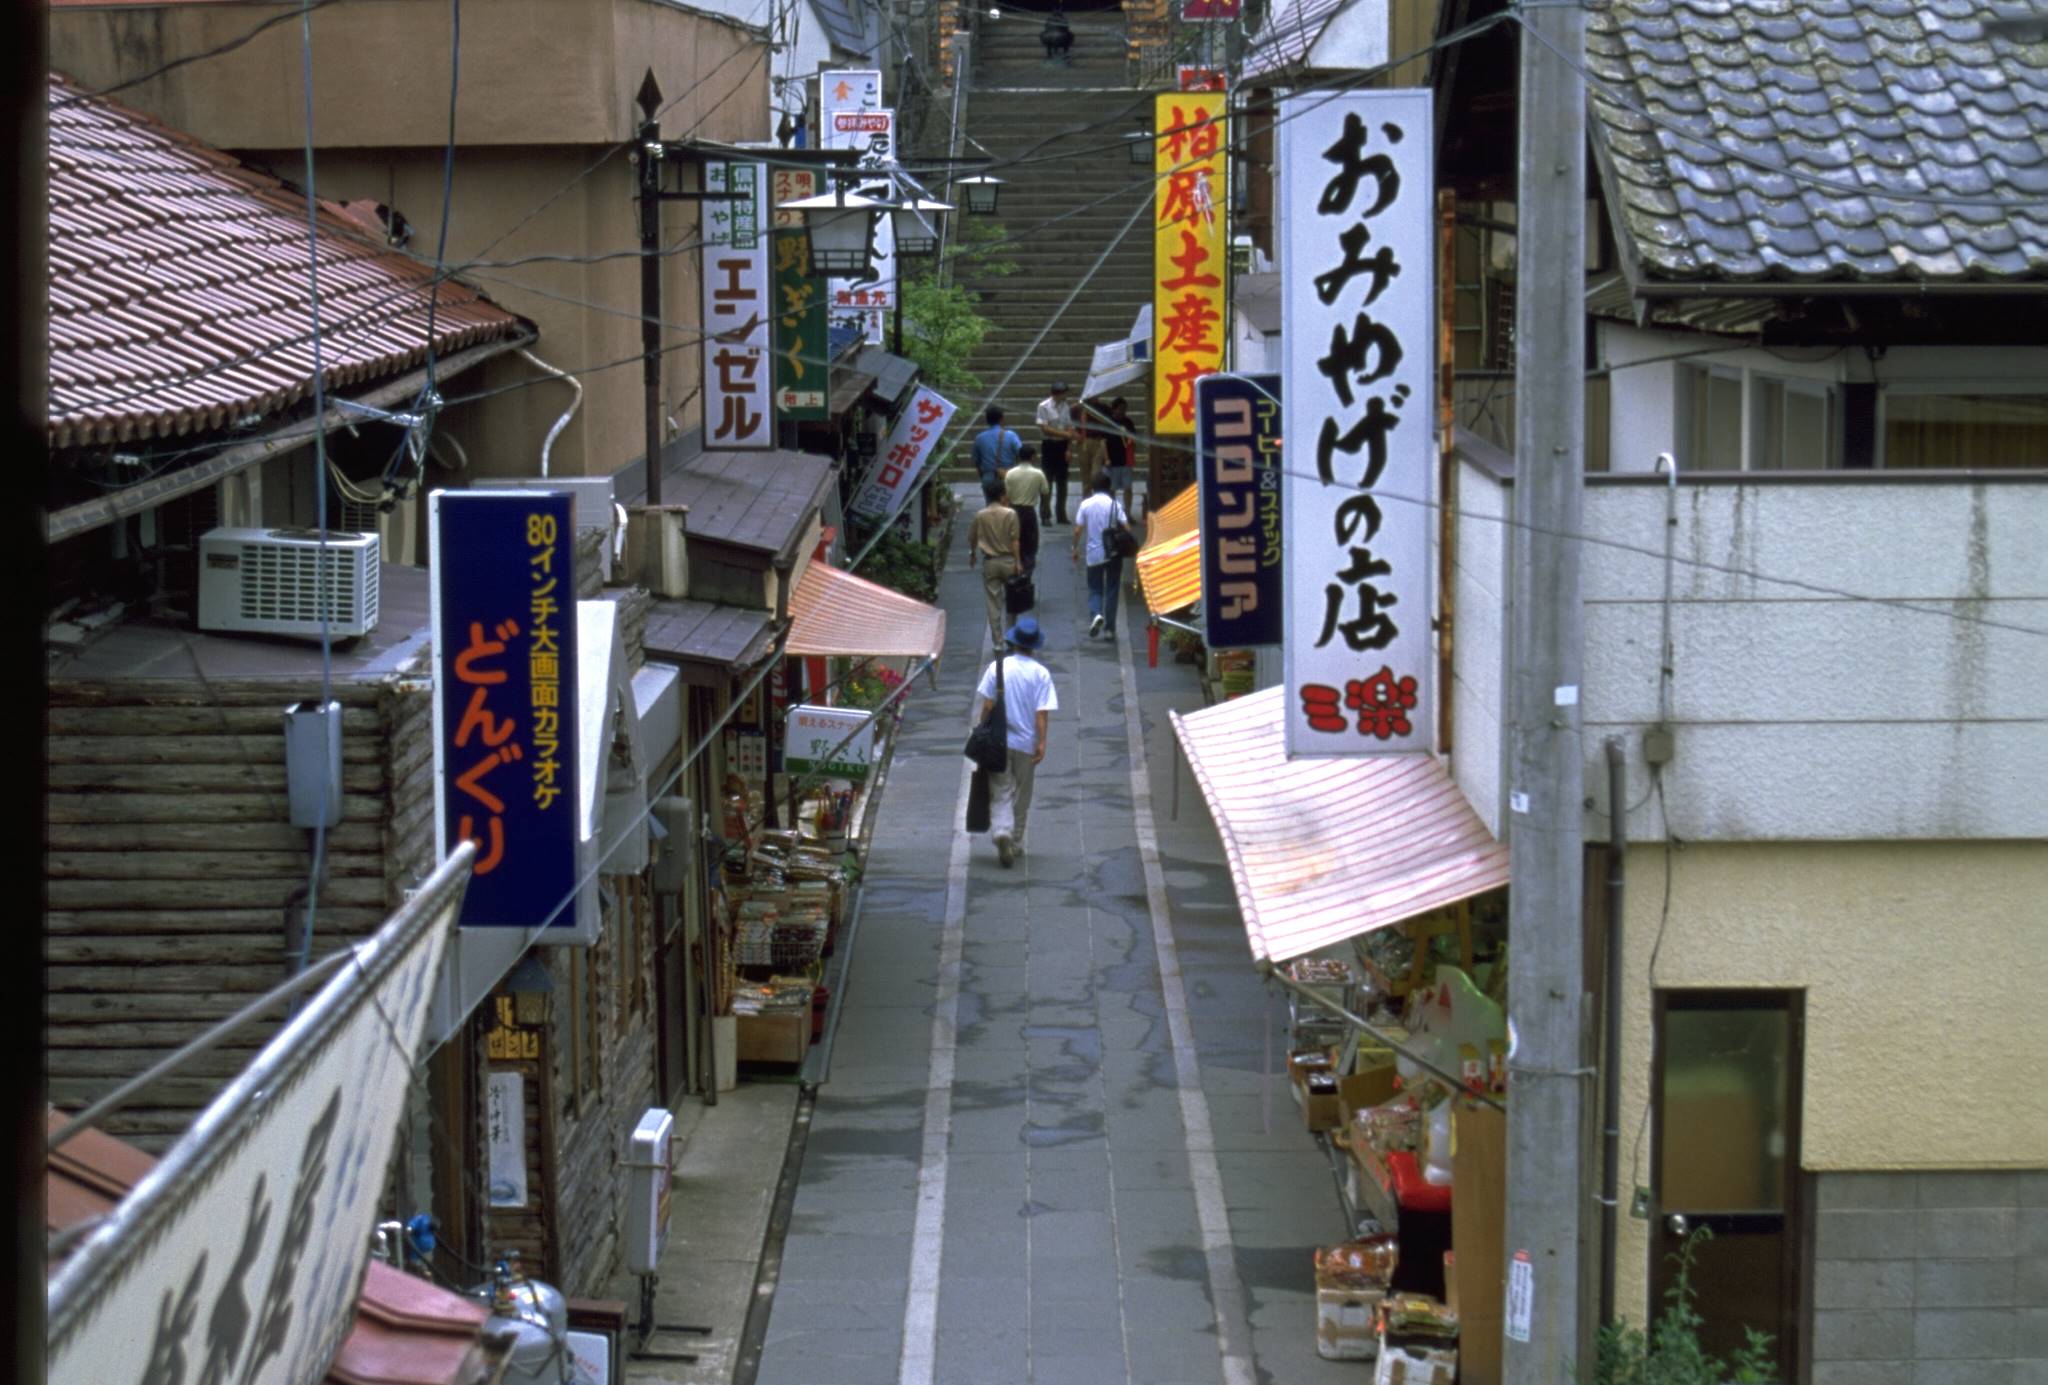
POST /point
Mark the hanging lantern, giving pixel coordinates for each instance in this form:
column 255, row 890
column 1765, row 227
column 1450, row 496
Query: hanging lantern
column 916, row 223
column 982, row 191
column 841, row 230
column 1140, row 147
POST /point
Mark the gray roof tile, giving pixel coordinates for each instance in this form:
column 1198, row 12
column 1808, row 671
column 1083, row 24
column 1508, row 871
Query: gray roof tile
column 1733, row 131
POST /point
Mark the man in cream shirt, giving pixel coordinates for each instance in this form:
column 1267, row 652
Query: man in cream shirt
column 1024, row 486
column 1057, row 425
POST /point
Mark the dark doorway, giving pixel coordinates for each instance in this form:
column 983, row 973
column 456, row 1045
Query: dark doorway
column 670, row 1014
column 1726, row 1101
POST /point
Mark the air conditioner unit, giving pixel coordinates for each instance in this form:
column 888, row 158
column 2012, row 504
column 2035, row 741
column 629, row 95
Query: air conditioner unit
column 278, row 582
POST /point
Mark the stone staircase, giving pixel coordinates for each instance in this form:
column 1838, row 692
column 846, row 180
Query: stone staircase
column 1065, row 122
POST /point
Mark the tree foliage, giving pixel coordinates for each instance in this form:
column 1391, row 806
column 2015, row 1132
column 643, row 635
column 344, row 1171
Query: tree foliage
column 1670, row 1353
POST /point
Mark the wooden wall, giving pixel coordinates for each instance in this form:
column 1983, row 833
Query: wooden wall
column 171, row 863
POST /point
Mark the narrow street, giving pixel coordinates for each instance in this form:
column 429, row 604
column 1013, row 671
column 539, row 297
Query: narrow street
column 1045, row 1151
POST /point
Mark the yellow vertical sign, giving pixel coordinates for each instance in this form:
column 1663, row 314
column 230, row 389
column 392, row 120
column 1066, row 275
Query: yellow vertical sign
column 1190, row 251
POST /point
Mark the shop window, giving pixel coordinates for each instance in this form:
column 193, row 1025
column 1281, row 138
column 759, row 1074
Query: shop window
column 1742, row 420
column 1944, row 430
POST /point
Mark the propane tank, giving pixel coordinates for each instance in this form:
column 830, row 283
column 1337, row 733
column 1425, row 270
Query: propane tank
column 536, row 1317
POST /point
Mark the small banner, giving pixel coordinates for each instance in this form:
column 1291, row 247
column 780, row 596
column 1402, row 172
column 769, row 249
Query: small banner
column 1360, row 348
column 1191, row 240
column 1238, row 454
column 504, row 628
column 903, row 457
column 813, row 742
column 738, row 374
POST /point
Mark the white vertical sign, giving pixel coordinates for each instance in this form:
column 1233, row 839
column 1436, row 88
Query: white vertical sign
column 739, row 386
column 902, row 459
column 851, row 116
column 505, row 1119
column 1360, row 415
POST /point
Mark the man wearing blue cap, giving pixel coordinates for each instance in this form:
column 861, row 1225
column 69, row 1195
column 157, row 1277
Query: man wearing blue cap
column 1028, row 702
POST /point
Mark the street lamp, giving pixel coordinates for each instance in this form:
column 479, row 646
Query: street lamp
column 841, row 228
column 917, row 225
column 1140, row 147
column 982, row 192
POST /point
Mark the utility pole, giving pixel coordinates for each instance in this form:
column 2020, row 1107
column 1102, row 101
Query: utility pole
column 1547, row 1186
column 650, row 276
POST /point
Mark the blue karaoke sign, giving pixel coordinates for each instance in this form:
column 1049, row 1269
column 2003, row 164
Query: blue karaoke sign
column 504, row 585
column 1237, row 439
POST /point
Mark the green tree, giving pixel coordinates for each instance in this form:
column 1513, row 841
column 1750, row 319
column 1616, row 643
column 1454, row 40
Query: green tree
column 942, row 324
column 1670, row 1353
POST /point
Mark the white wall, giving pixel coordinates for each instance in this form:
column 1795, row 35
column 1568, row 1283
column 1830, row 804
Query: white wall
column 1479, row 626
column 1355, row 39
column 810, row 49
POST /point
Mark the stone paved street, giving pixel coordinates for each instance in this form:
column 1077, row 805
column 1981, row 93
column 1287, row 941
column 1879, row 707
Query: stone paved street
column 1043, row 1153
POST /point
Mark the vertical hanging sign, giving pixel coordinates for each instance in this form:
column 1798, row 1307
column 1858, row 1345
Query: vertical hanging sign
column 1190, row 245
column 799, row 326
column 853, row 117
column 911, row 442
column 503, row 583
column 1360, row 346
column 738, row 370
column 1237, row 451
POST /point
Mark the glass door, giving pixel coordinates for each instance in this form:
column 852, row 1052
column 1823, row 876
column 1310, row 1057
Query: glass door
column 1726, row 1103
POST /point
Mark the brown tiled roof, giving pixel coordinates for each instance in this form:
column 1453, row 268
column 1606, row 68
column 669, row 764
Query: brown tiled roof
column 179, row 292
column 407, row 1331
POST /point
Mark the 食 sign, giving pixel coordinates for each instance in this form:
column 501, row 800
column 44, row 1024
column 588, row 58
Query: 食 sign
column 505, row 683
column 813, row 742
column 850, row 105
column 1190, row 251
column 902, row 460
column 1360, row 412
column 1238, row 457
column 739, row 384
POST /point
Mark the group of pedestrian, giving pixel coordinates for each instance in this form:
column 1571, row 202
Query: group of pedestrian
column 1020, row 497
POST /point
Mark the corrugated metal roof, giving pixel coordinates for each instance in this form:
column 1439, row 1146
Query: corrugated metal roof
column 1757, row 141
column 835, row 612
column 1291, row 29
column 761, row 500
column 893, row 374
column 1170, row 573
column 178, row 285
column 704, row 632
column 407, row 1331
column 1323, row 850
column 849, row 387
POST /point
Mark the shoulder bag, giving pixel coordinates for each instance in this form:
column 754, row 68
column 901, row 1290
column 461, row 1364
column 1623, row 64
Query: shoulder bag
column 988, row 744
column 1117, row 540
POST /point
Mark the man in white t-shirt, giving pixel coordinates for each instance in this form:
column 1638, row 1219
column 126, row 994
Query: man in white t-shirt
column 1099, row 514
column 1028, row 702
column 1057, row 428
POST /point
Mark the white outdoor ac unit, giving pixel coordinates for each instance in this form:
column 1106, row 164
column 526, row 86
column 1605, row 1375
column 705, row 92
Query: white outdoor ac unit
column 278, row 582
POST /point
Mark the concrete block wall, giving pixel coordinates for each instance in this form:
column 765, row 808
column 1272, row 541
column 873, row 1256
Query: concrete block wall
column 1931, row 1279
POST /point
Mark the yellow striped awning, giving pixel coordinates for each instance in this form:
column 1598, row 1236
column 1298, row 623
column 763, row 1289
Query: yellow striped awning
column 1170, row 573
column 1178, row 516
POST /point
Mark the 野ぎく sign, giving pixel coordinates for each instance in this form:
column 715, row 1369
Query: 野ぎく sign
column 1360, row 411
column 812, row 745
column 503, row 578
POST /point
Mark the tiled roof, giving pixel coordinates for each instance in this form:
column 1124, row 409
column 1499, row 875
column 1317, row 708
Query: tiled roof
column 1755, row 139
column 1291, row 29
column 179, row 293
column 842, row 24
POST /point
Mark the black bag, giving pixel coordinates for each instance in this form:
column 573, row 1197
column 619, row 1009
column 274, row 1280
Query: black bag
column 1019, row 595
column 988, row 744
column 1119, row 542
column 978, row 802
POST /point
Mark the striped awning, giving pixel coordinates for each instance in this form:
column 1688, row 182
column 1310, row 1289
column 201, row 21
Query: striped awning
column 835, row 612
column 1322, row 850
column 1170, row 573
column 1178, row 516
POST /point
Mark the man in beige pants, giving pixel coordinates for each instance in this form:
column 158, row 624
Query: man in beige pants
column 995, row 541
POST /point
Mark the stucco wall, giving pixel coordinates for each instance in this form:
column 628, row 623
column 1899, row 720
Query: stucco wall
column 1924, row 969
column 1479, row 614
column 1801, row 713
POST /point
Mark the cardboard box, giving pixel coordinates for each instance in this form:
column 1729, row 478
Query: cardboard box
column 1362, row 1090
column 1415, row 1366
column 1319, row 1108
column 1344, row 1326
column 779, row 1038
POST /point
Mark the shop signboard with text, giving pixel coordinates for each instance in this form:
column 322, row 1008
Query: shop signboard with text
column 814, row 742
column 240, row 1255
column 911, row 443
column 503, row 580
column 853, row 117
column 739, row 373
column 1190, row 255
column 1360, row 414
column 1237, row 455
column 801, row 351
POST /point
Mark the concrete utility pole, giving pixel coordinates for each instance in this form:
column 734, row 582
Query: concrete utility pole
column 1546, row 977
column 650, row 277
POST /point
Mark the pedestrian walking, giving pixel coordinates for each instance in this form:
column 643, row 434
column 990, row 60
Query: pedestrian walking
column 1024, row 486
column 1056, row 427
column 1095, row 526
column 1119, row 433
column 994, row 540
column 995, row 447
column 1028, row 703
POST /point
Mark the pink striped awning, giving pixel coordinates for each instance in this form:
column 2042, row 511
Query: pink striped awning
column 835, row 612
column 1323, row 850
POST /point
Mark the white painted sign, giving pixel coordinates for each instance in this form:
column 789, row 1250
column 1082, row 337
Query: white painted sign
column 813, row 744
column 1360, row 406
column 240, row 1255
column 903, row 457
column 1521, row 1295
column 505, row 1118
column 853, row 117
column 739, row 385
column 648, row 1157
column 590, row 1358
